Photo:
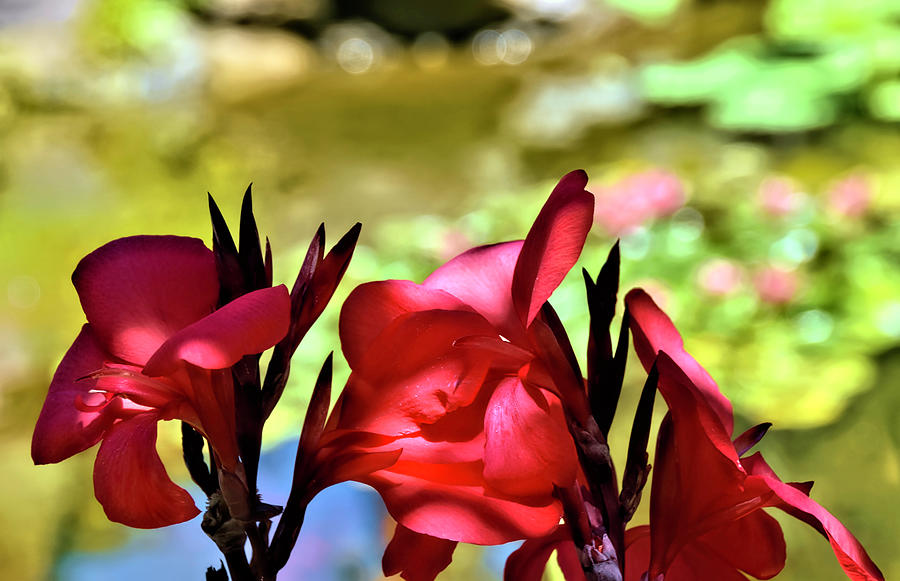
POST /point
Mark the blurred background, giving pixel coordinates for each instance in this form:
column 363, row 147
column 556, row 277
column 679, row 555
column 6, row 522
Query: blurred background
column 745, row 152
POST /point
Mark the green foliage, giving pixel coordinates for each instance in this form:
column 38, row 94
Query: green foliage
column 813, row 61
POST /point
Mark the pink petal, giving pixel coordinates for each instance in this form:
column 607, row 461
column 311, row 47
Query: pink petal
column 373, row 306
column 131, row 482
column 413, row 375
column 249, row 324
column 654, row 331
column 553, row 244
column 416, row 557
column 138, row 291
column 850, row 553
column 482, row 278
column 527, row 446
column 62, row 428
column 451, row 501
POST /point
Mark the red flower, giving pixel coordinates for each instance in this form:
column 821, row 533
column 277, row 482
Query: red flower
column 154, row 348
column 449, row 373
column 705, row 520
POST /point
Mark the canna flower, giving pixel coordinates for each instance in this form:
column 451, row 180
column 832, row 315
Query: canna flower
column 452, row 373
column 705, row 517
column 154, row 348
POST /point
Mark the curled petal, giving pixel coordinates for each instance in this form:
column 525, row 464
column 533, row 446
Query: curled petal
column 654, row 331
column 131, row 482
column 850, row 553
column 553, row 244
column 482, row 278
column 138, row 291
column 70, row 421
column 451, row 501
column 416, row 557
column 354, row 465
column 413, row 375
column 371, row 307
column 527, row 448
column 249, row 324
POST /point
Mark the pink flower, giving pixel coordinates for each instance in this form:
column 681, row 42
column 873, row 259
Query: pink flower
column 850, row 196
column 154, row 348
column 719, row 277
column 452, row 373
column 778, row 196
column 776, row 285
column 636, row 199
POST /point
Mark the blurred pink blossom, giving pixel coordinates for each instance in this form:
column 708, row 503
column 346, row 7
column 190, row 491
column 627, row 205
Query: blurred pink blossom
column 720, row 277
column 779, row 196
column 776, row 285
column 453, row 242
column 850, row 196
column 636, row 199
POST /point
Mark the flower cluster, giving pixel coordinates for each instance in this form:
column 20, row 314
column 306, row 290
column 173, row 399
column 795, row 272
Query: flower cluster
column 466, row 409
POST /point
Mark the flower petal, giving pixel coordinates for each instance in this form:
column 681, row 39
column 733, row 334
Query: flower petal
column 64, row 427
column 527, row 563
column 850, row 553
column 413, row 375
column 131, row 482
column 637, row 552
column 753, row 544
column 249, row 324
column 416, row 557
column 373, row 306
column 482, row 278
column 138, row 291
column 553, row 244
column 527, row 448
column 654, row 331
column 451, row 501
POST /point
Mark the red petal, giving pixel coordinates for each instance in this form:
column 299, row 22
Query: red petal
column 371, row 307
column 698, row 481
column 654, row 331
column 249, row 324
column 570, row 562
column 697, row 563
column 413, row 375
column 527, row 563
column 62, row 429
column 553, row 244
column 850, row 553
column 354, row 465
column 637, row 552
column 450, row 501
column 138, row 291
column 527, row 446
column 482, row 278
column 131, row 482
column 416, row 557
column 753, row 544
